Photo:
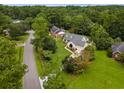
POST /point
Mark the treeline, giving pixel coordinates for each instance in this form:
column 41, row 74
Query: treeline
column 104, row 24
column 13, row 30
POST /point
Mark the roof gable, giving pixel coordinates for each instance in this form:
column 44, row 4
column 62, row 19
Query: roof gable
column 118, row 47
column 78, row 40
column 55, row 29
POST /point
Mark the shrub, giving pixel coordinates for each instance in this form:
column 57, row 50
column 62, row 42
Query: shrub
column 49, row 44
column 109, row 52
column 74, row 65
column 89, row 53
column 121, row 58
column 54, row 82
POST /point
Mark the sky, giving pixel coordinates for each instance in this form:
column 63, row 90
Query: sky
column 62, row 2
column 55, row 4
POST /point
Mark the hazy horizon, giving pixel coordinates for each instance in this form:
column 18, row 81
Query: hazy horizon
column 62, row 4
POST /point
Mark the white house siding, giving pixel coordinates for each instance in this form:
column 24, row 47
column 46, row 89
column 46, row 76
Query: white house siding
column 61, row 33
column 80, row 48
column 73, row 45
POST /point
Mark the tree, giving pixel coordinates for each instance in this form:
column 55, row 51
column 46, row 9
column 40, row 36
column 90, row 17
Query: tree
column 117, row 40
column 116, row 29
column 55, row 16
column 67, row 22
column 16, row 30
column 74, row 65
column 81, row 24
column 107, row 19
column 4, row 21
column 28, row 23
column 11, row 71
column 40, row 26
column 54, row 82
column 49, row 44
column 100, row 37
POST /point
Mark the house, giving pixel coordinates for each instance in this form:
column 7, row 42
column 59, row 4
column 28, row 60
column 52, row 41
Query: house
column 117, row 49
column 76, row 43
column 55, row 31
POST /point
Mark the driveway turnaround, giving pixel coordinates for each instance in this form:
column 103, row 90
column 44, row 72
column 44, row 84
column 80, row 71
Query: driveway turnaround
column 31, row 80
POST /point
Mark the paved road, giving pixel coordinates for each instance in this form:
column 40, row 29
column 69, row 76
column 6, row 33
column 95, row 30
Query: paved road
column 31, row 80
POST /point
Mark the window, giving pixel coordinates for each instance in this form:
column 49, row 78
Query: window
column 70, row 45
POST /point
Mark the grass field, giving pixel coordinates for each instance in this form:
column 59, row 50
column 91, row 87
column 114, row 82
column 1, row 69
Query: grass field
column 19, row 58
column 103, row 73
column 52, row 66
column 38, row 63
column 22, row 39
column 20, row 53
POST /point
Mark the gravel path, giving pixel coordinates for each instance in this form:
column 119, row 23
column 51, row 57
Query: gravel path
column 31, row 79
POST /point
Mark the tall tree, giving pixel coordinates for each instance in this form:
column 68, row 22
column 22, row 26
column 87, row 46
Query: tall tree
column 4, row 21
column 11, row 71
column 100, row 37
column 81, row 24
column 43, row 40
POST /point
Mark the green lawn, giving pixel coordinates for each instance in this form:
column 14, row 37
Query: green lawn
column 38, row 63
column 19, row 57
column 22, row 39
column 52, row 66
column 104, row 73
column 20, row 53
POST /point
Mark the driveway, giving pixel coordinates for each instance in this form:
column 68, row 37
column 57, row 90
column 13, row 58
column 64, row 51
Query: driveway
column 31, row 79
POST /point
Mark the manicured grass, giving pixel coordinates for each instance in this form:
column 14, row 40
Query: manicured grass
column 19, row 58
column 52, row 66
column 20, row 53
column 38, row 63
column 22, row 39
column 103, row 73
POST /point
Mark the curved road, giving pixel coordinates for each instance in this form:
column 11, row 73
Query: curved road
column 31, row 80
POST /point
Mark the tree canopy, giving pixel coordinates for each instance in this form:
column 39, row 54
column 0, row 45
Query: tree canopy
column 11, row 71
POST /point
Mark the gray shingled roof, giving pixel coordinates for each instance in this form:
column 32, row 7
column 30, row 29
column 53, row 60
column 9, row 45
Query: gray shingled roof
column 55, row 29
column 118, row 47
column 76, row 39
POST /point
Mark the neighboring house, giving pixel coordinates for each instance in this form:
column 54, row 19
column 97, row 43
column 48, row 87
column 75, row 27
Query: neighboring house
column 75, row 43
column 55, row 31
column 117, row 49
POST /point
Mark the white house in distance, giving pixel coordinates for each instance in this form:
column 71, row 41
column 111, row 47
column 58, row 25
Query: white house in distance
column 55, row 31
column 76, row 43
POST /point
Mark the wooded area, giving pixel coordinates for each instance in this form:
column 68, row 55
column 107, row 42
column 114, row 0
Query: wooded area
column 104, row 25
